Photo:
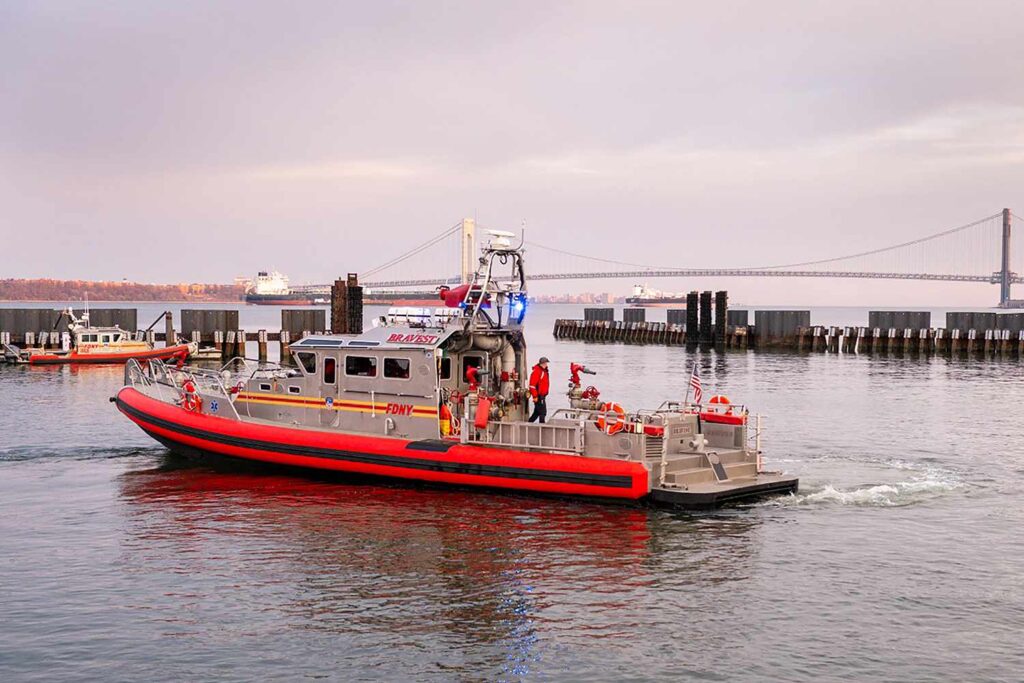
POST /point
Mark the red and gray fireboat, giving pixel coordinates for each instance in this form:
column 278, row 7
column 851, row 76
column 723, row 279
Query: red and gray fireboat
column 439, row 396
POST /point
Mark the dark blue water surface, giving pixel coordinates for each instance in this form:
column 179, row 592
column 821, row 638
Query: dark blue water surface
column 901, row 559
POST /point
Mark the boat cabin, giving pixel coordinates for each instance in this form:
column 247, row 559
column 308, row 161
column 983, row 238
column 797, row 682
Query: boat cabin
column 100, row 335
column 394, row 378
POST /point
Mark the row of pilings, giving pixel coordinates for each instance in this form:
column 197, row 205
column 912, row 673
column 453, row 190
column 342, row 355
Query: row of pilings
column 1000, row 335
column 216, row 330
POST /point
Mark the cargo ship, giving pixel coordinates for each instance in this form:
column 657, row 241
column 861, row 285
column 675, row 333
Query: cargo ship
column 270, row 288
column 441, row 397
column 643, row 296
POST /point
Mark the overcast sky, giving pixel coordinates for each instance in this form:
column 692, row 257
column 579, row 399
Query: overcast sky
column 172, row 141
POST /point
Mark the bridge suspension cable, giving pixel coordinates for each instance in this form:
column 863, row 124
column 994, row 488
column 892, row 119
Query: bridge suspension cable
column 972, row 253
column 412, row 252
column 881, row 250
column 589, row 258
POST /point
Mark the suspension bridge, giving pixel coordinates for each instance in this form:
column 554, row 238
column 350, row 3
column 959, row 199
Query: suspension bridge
column 979, row 251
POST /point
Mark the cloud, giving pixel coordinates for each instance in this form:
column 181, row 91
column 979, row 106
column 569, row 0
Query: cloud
column 733, row 132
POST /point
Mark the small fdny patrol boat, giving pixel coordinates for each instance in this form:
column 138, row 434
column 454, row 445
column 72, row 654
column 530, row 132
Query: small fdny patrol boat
column 440, row 396
column 83, row 343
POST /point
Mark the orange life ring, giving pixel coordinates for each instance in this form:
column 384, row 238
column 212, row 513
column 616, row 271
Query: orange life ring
column 721, row 400
column 616, row 418
column 191, row 401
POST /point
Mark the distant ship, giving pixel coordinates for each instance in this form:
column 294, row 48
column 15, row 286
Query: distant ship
column 642, row 296
column 271, row 288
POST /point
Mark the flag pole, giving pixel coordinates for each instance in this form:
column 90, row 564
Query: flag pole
column 689, row 381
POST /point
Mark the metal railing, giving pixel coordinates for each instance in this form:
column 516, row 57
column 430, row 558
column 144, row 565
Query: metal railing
column 166, row 381
column 533, row 435
column 756, row 438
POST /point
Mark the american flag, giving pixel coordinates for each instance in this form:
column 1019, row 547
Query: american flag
column 698, row 392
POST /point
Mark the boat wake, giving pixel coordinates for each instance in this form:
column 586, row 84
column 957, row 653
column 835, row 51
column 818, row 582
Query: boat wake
column 880, row 495
column 915, row 482
column 24, row 454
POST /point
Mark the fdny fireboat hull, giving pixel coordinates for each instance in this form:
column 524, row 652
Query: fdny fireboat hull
column 434, row 461
column 430, row 461
column 168, row 353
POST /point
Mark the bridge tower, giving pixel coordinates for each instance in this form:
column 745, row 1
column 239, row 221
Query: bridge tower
column 468, row 240
column 1004, row 269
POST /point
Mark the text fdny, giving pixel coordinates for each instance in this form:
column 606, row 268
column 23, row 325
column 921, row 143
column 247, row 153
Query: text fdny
column 399, row 409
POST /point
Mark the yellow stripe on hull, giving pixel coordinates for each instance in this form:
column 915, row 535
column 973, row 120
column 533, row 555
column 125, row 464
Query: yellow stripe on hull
column 345, row 405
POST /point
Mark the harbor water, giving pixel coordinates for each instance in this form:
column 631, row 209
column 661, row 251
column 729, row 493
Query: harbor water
column 900, row 559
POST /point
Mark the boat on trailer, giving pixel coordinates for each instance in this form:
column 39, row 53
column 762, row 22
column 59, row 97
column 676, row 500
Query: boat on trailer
column 440, row 396
column 84, row 344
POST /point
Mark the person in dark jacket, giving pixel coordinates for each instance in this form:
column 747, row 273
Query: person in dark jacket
column 539, row 386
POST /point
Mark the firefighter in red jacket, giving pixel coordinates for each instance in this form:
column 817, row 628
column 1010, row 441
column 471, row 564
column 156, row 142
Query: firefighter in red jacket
column 539, row 386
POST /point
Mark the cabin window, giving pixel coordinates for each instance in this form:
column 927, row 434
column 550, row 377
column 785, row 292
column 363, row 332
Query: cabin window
column 264, row 387
column 396, row 368
column 361, row 366
column 329, row 370
column 446, row 368
column 308, row 362
column 294, row 390
column 116, row 338
column 88, row 337
column 105, row 339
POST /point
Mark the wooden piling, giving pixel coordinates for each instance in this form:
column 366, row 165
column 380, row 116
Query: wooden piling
column 286, row 342
column 169, row 337
column 261, row 344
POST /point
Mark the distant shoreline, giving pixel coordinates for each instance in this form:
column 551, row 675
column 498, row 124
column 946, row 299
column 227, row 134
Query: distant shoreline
column 46, row 289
